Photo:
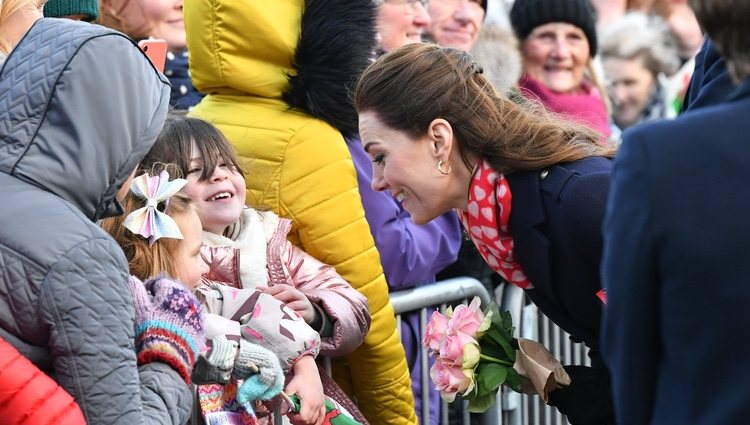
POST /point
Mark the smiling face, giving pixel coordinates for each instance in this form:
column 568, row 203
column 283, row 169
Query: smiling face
column 220, row 198
column 158, row 19
column 408, row 168
column 188, row 262
column 556, row 55
column 401, row 22
column 631, row 85
column 455, row 23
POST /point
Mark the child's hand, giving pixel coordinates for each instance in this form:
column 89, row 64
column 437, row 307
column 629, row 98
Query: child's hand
column 306, row 384
column 294, row 299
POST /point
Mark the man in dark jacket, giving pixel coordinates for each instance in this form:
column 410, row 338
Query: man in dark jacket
column 675, row 259
column 81, row 106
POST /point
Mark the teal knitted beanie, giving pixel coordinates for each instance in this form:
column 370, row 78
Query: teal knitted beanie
column 63, row 8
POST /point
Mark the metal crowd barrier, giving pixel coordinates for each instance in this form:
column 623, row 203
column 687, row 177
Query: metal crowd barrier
column 511, row 408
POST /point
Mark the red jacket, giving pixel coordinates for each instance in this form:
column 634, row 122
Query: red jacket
column 29, row 396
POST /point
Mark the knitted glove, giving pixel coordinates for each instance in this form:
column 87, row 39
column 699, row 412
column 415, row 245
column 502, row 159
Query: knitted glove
column 214, row 366
column 169, row 327
column 261, row 371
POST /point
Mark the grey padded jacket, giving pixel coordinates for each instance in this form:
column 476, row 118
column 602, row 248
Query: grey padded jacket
column 81, row 106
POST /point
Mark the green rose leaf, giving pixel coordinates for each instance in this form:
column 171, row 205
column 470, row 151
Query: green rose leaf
column 480, row 404
column 494, row 375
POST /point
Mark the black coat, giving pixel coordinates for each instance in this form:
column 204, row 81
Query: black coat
column 556, row 218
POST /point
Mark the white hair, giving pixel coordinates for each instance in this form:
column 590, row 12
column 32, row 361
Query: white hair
column 637, row 34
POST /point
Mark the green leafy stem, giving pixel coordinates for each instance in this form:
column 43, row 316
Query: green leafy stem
column 495, row 360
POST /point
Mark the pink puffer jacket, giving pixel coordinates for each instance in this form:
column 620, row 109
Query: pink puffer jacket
column 285, row 264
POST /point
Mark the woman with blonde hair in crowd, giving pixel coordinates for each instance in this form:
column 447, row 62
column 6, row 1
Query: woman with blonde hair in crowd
column 530, row 189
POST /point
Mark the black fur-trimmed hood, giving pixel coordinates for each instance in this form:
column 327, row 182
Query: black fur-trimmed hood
column 336, row 43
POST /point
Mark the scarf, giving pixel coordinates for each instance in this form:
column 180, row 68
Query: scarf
column 486, row 220
column 586, row 107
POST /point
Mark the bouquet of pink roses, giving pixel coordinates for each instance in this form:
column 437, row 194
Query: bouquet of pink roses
column 475, row 353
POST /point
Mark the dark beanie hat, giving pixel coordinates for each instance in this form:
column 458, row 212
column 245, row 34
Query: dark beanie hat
column 63, row 8
column 529, row 14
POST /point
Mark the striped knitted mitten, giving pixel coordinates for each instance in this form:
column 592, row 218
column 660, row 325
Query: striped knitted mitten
column 169, row 327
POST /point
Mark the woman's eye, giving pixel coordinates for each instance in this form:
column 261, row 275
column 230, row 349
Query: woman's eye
column 379, row 159
column 194, row 170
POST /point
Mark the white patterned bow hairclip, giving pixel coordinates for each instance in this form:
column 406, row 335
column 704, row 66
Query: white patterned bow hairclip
column 148, row 221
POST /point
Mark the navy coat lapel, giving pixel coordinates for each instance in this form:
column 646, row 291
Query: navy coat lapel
column 527, row 218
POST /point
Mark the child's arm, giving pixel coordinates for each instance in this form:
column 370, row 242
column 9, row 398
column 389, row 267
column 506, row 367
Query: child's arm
column 306, row 384
column 343, row 306
column 258, row 318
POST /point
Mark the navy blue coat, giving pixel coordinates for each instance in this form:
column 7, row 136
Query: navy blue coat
column 676, row 267
column 711, row 82
column 556, row 225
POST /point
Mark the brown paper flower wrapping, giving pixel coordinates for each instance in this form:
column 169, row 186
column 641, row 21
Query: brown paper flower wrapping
column 539, row 370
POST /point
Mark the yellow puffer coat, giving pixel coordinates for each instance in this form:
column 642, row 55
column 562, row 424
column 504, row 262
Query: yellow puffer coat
column 241, row 53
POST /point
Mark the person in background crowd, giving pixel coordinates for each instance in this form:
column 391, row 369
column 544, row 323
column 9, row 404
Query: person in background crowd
column 558, row 41
column 400, row 22
column 281, row 97
column 637, row 68
column 67, row 149
column 675, row 265
column 456, row 23
column 530, row 188
column 161, row 19
column 77, row 10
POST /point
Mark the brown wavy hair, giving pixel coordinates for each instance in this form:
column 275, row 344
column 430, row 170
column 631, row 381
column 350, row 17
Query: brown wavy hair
column 411, row 86
column 146, row 261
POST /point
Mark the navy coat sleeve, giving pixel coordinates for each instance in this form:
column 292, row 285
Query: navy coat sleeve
column 630, row 347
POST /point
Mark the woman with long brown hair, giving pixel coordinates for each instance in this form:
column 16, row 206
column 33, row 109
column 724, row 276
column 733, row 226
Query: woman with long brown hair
column 530, row 188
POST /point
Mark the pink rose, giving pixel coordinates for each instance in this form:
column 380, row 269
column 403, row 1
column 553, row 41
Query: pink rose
column 450, row 380
column 467, row 319
column 435, row 331
column 451, row 349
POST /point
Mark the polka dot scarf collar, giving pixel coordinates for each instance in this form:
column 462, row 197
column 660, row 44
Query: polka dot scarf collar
column 487, row 220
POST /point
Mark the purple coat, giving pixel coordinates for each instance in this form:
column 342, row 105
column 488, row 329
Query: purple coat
column 411, row 255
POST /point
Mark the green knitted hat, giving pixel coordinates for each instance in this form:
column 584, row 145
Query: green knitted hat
column 63, row 8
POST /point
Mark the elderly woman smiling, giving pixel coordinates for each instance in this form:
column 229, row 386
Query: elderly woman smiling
column 558, row 41
column 637, row 68
column 530, row 188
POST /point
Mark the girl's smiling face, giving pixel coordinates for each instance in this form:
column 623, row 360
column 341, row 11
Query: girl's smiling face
column 220, row 198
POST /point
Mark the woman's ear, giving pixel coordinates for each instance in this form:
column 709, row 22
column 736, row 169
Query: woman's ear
column 440, row 133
